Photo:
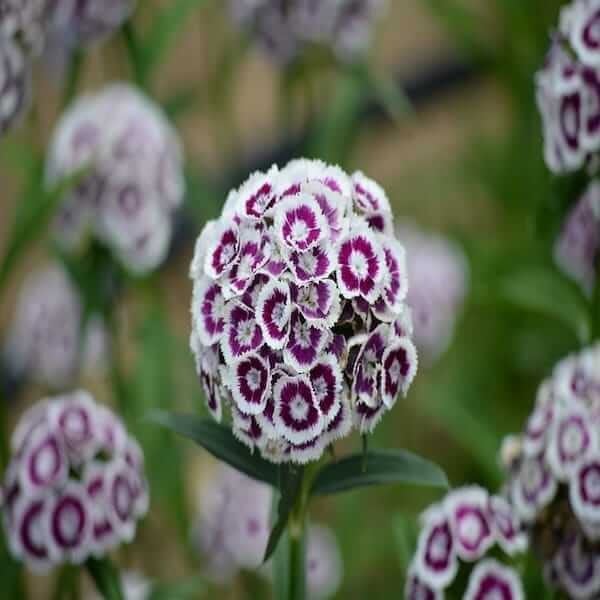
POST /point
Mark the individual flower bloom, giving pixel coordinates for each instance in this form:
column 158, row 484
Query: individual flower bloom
column 435, row 562
column 581, row 25
column 75, row 485
column 584, row 489
column 572, row 438
column 132, row 181
column 278, row 336
column 243, row 334
column 417, row 589
column 360, row 269
column 305, row 344
column 208, row 311
column 298, row 415
column 232, row 526
column 438, row 275
column 299, row 223
column 468, row 517
column 323, row 563
column 15, row 84
column 576, row 248
column 371, row 201
column 252, row 384
column 533, row 488
column 43, row 341
column 87, row 22
column 318, row 302
column 256, row 197
column 506, row 527
column 490, row 579
column 578, row 569
column 273, row 313
column 539, row 422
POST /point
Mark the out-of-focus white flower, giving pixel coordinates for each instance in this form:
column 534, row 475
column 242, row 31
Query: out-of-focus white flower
column 135, row 181
column 438, row 275
column 323, row 563
column 23, row 21
column 233, row 526
column 45, row 341
column 285, row 29
column 75, row 486
column 299, row 320
column 85, row 22
column 577, row 247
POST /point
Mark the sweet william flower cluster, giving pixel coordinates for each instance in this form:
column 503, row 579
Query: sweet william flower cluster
column 75, row 486
column 299, row 320
column 135, row 178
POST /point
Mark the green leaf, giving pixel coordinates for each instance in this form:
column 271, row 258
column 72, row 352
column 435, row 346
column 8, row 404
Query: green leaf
column 180, row 590
column 544, row 290
column 106, row 577
column 220, row 442
column 36, row 209
column 290, row 487
column 164, row 32
column 382, row 467
column 182, row 102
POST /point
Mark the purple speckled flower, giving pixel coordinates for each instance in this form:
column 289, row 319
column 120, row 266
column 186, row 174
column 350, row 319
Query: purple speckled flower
column 43, row 341
column 299, row 321
column 492, row 581
column 505, row 525
column 135, row 178
column 533, row 488
column 75, row 486
column 577, row 247
column 584, row 489
column 577, row 569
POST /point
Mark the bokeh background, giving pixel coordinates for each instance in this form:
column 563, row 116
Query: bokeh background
column 457, row 145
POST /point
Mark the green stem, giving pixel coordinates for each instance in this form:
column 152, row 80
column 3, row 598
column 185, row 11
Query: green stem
column 297, row 584
column 67, row 585
column 73, row 77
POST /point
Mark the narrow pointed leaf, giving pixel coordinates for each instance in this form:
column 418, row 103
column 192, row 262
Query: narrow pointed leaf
column 382, row 467
column 290, row 486
column 106, row 578
column 220, row 442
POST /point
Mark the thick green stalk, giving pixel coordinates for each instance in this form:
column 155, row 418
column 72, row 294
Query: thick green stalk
column 297, row 551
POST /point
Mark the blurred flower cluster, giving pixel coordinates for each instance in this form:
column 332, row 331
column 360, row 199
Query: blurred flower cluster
column 233, row 526
column 133, row 176
column 49, row 341
column 284, row 28
column 75, row 486
column 299, row 316
column 465, row 526
column 568, row 89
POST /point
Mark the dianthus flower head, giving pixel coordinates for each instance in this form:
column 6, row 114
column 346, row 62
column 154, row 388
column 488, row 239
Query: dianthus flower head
column 286, row 29
column 48, row 340
column 438, row 275
column 553, row 481
column 464, row 528
column 299, row 320
column 568, row 89
column 135, row 178
column 75, row 486
column 86, row 22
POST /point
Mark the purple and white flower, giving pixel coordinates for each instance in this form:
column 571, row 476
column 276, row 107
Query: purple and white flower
column 584, row 489
column 533, row 488
column 75, row 486
column 43, row 341
column 490, row 580
column 578, row 569
column 15, row 83
column 299, row 321
column 134, row 181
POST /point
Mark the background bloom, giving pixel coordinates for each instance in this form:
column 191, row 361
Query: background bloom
column 438, row 276
column 135, row 179
column 48, row 341
column 310, row 340
column 286, row 29
column 75, row 486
